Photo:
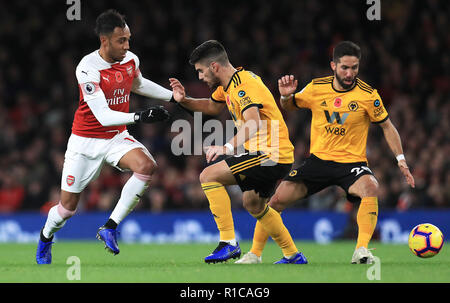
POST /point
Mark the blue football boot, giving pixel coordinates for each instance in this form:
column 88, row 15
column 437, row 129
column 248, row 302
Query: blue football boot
column 299, row 258
column 109, row 237
column 223, row 252
column 44, row 251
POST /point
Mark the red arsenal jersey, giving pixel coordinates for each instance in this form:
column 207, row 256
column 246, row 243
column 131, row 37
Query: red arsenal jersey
column 98, row 78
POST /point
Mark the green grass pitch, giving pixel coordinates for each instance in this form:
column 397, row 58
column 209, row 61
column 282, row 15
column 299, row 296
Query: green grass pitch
column 183, row 263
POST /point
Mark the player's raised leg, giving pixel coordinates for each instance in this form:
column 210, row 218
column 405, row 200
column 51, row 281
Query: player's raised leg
column 143, row 167
column 286, row 193
column 56, row 219
column 366, row 187
column 213, row 179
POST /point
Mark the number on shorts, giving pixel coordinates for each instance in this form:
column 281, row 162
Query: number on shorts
column 359, row 170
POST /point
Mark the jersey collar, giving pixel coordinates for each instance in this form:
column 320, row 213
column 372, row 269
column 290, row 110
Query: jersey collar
column 345, row 90
column 235, row 78
column 106, row 62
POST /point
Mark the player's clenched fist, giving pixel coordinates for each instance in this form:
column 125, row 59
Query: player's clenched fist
column 151, row 115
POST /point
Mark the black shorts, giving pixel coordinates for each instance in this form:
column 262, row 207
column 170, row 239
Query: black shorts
column 257, row 172
column 318, row 174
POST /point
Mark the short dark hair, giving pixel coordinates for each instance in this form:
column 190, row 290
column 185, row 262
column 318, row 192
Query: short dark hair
column 107, row 21
column 346, row 48
column 211, row 50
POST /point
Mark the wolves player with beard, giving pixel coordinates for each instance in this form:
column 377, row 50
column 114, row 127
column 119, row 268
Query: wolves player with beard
column 343, row 107
column 99, row 134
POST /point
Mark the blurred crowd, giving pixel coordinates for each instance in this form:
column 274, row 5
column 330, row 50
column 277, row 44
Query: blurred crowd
column 405, row 56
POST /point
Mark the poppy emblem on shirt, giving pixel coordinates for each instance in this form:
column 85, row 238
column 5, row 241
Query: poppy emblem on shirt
column 119, row 77
column 337, row 102
column 70, row 180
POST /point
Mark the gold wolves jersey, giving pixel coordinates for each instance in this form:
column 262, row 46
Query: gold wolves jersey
column 340, row 119
column 245, row 90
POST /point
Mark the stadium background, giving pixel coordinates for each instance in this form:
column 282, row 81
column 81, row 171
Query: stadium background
column 405, row 56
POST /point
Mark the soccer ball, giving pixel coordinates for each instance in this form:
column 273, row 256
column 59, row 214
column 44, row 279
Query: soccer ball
column 425, row 240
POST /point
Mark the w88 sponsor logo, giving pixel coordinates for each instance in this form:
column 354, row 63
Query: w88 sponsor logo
column 335, row 130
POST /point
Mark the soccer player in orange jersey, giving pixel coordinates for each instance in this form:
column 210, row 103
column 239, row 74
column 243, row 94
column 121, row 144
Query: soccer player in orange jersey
column 343, row 107
column 263, row 161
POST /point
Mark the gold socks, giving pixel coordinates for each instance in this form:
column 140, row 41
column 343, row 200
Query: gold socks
column 220, row 206
column 270, row 220
column 367, row 220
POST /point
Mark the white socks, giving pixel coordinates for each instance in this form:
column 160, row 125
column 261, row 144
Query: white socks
column 131, row 193
column 57, row 217
column 129, row 198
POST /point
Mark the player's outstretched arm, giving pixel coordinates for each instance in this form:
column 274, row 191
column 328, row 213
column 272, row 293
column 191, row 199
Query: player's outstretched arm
column 108, row 117
column 150, row 89
column 105, row 115
column 287, row 86
column 393, row 139
column 206, row 106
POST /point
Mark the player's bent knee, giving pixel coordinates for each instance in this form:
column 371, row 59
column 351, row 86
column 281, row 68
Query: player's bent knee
column 281, row 200
column 366, row 186
column 146, row 167
column 372, row 189
column 207, row 176
column 64, row 212
column 252, row 207
column 276, row 203
column 253, row 204
column 69, row 201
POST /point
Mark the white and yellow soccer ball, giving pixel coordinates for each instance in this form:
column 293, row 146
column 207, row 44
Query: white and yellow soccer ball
column 425, row 240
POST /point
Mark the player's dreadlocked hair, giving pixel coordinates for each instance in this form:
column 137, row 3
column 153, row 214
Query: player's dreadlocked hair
column 107, row 21
column 346, row 48
column 209, row 51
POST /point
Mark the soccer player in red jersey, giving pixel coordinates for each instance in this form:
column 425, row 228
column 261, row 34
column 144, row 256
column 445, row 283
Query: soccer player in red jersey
column 99, row 134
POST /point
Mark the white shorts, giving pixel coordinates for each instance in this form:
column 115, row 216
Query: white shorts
column 85, row 157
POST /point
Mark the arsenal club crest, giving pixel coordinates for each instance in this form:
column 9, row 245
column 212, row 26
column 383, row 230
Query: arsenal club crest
column 70, row 180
